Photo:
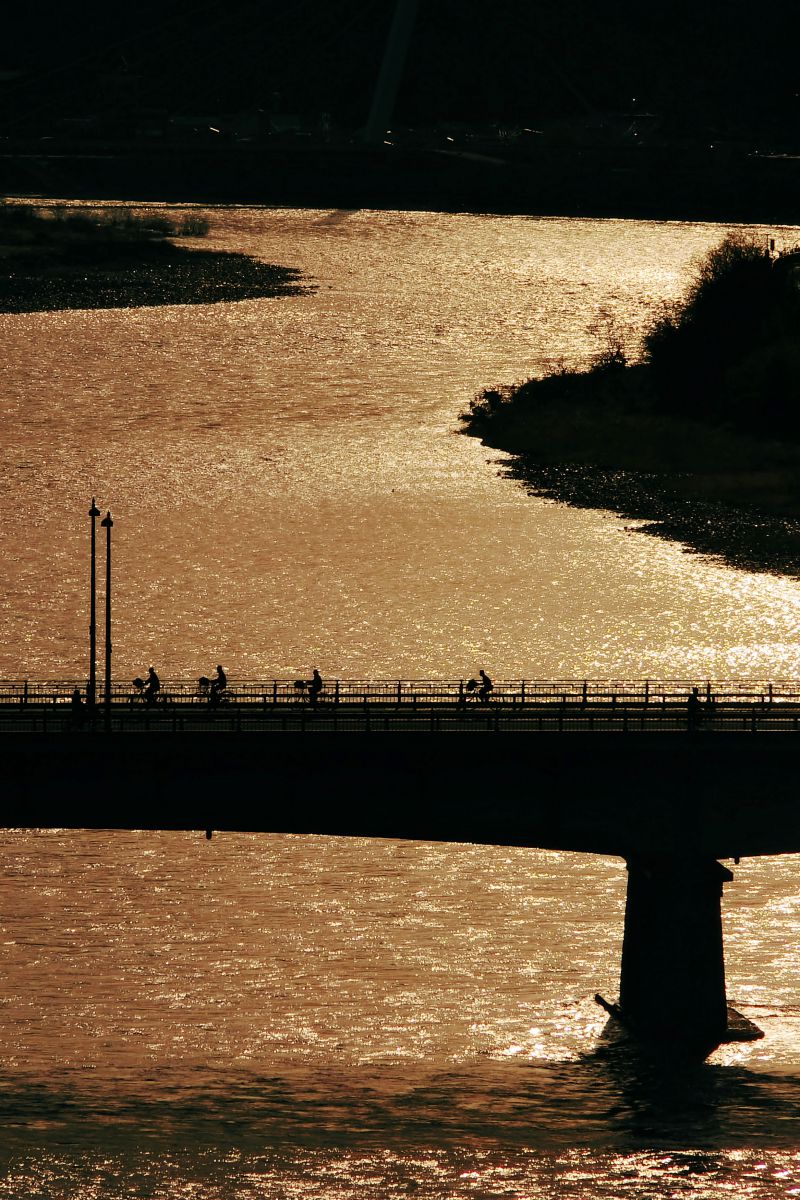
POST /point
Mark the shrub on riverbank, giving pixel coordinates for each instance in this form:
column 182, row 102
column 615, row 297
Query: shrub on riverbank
column 701, row 438
column 726, row 358
column 22, row 224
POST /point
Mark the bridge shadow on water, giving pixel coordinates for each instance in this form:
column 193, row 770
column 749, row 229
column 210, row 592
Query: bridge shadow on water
column 612, row 1099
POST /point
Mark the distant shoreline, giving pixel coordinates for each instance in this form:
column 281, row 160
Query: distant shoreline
column 625, row 183
column 54, row 262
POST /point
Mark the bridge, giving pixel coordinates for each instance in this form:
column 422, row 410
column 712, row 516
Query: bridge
column 700, row 770
column 406, row 705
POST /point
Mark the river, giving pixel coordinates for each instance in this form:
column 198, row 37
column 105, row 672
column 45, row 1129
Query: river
column 289, row 490
column 318, row 1017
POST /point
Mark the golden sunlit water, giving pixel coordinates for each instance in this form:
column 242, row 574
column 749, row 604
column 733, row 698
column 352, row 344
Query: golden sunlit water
column 288, row 488
column 267, row 1017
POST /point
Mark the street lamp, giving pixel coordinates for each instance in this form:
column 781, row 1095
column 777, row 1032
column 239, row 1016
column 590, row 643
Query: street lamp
column 107, row 523
column 91, row 691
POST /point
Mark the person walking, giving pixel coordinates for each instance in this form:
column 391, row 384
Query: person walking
column 694, row 711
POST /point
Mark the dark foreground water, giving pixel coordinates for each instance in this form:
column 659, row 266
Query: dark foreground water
column 294, row 1016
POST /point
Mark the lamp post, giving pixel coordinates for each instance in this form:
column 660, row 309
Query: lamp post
column 107, row 523
column 91, row 691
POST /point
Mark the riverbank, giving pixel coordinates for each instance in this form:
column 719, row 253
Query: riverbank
column 59, row 259
column 718, row 492
column 700, row 439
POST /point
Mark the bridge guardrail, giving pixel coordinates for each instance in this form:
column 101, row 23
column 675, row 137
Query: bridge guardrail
column 627, row 705
column 416, row 692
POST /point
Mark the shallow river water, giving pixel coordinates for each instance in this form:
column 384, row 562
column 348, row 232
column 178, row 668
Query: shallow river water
column 286, row 1017
column 289, row 489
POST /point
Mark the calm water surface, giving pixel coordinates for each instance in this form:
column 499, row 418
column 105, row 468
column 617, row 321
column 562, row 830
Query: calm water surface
column 314, row 1017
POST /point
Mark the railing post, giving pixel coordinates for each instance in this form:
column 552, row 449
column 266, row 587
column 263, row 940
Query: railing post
column 25, row 693
column 646, row 692
column 336, row 693
column 522, row 693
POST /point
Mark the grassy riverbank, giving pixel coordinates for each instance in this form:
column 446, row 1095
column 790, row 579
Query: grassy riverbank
column 61, row 258
column 700, row 439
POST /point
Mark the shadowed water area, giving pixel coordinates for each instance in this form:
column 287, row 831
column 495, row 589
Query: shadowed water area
column 280, row 1017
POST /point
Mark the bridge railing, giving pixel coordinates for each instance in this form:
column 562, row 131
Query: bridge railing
column 517, row 694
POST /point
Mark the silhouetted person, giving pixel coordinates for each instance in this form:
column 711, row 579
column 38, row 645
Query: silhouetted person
column 314, row 686
column 694, row 711
column 152, row 687
column 486, row 687
column 219, row 682
column 78, row 710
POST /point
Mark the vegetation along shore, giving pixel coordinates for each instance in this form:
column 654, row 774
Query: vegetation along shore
column 700, row 438
column 60, row 257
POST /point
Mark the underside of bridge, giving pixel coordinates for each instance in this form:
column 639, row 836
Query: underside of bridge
column 670, row 805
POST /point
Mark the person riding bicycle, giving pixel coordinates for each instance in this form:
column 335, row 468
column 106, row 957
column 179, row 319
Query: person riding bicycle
column 315, row 686
column 486, row 687
column 217, row 686
column 152, row 687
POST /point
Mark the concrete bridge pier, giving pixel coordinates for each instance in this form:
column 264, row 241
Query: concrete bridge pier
column 672, row 979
